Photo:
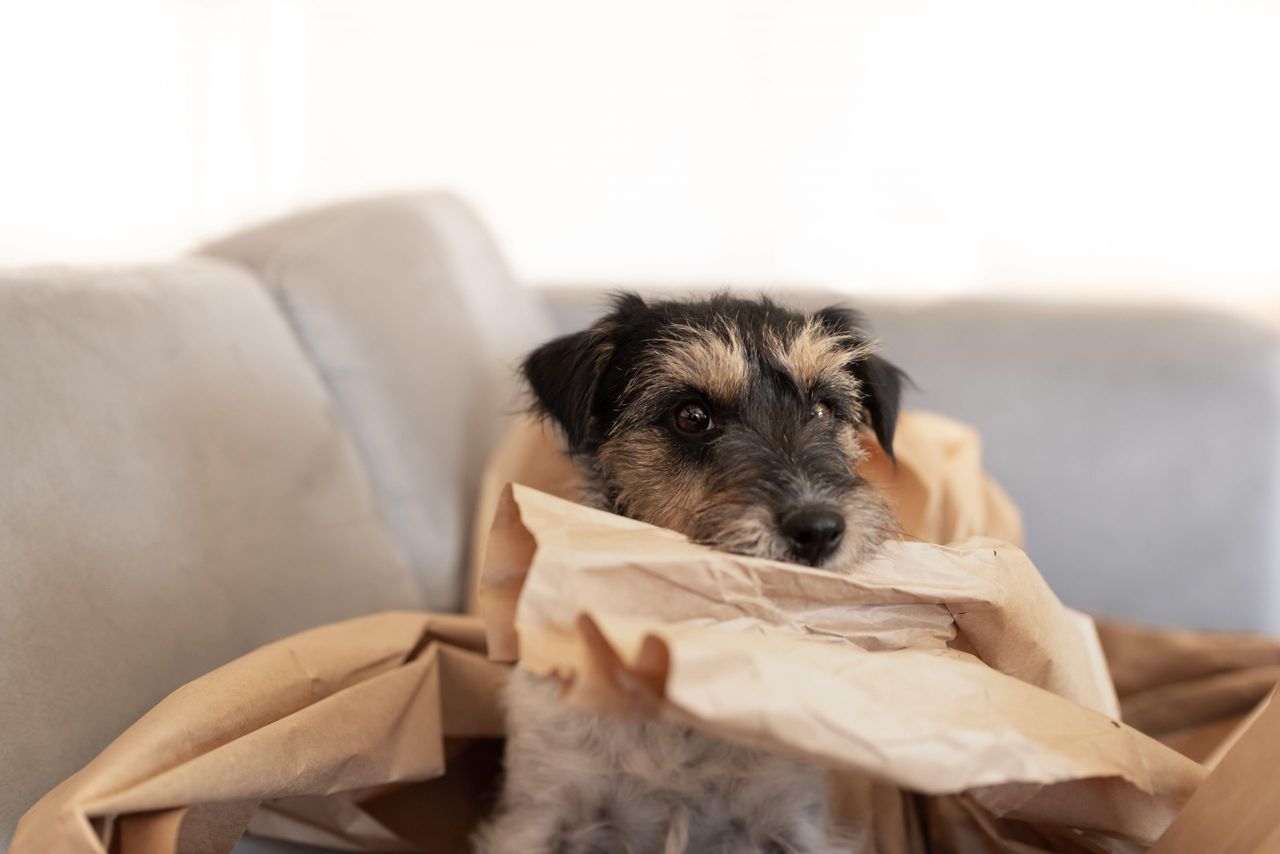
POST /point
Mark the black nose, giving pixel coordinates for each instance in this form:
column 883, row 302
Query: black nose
column 814, row 533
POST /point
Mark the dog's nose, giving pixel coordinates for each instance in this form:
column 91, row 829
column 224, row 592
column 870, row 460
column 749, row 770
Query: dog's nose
column 814, row 532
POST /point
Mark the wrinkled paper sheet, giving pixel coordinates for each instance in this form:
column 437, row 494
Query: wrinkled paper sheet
column 358, row 707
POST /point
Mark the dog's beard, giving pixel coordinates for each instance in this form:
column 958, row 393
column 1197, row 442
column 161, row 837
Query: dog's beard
column 750, row 529
column 728, row 523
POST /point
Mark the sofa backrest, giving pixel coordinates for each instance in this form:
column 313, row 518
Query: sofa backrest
column 176, row 491
column 1142, row 445
column 409, row 312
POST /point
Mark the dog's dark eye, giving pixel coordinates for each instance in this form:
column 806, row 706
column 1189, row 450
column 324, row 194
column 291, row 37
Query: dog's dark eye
column 820, row 410
column 693, row 418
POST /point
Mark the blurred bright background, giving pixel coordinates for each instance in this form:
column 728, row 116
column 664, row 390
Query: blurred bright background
column 1128, row 148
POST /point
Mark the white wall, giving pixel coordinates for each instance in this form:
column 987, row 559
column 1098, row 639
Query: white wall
column 925, row 147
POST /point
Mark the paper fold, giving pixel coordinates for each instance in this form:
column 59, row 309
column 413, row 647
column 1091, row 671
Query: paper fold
column 363, row 703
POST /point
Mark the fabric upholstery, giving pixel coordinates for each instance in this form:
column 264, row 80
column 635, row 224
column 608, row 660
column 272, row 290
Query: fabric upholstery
column 176, row 492
column 1142, row 444
column 409, row 312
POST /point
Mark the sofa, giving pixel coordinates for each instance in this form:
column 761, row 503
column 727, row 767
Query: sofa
column 286, row 428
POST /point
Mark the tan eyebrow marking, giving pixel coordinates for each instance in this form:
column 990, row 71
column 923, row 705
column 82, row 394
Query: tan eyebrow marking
column 815, row 353
column 714, row 362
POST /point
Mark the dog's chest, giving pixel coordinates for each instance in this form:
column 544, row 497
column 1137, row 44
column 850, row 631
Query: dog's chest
column 648, row 781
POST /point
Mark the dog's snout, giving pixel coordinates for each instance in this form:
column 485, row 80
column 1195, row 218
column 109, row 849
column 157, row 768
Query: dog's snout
column 813, row 532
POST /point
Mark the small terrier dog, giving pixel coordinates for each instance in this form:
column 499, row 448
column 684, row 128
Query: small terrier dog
column 737, row 423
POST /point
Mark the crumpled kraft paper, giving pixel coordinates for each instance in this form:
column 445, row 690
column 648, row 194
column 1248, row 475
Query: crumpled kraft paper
column 1195, row 691
column 863, row 671
column 341, row 709
column 1237, row 810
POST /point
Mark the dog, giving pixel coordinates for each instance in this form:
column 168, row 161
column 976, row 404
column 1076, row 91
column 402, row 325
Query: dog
column 738, row 423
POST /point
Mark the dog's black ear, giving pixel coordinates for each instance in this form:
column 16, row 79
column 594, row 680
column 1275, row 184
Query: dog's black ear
column 564, row 374
column 882, row 383
column 881, row 380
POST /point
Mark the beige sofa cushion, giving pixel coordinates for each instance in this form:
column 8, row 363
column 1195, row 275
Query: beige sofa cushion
column 410, row 313
column 175, row 491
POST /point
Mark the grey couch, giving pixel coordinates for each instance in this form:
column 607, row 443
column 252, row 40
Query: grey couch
column 204, row 455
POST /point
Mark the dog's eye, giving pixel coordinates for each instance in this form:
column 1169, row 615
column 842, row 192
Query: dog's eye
column 693, row 418
column 820, row 410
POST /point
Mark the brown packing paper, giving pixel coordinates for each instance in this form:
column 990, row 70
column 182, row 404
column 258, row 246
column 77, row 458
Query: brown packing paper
column 436, row 815
column 938, row 488
column 958, row 823
column 1192, row 690
column 1237, row 810
column 585, row 561
column 1143, row 658
column 856, row 671
column 342, row 708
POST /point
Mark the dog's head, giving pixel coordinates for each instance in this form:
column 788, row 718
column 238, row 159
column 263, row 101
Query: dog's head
column 733, row 421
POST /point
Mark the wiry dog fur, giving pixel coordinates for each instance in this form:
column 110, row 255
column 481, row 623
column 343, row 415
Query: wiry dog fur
column 785, row 397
